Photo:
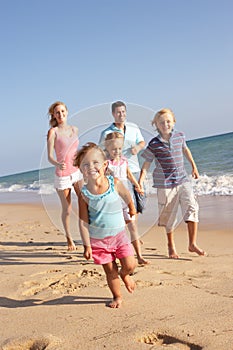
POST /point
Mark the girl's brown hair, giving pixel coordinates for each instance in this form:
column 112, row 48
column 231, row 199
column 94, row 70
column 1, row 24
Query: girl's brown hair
column 84, row 150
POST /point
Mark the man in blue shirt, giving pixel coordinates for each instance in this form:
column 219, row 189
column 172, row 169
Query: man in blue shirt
column 133, row 139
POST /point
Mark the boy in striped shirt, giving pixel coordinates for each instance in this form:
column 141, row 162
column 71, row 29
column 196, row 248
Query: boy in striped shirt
column 168, row 149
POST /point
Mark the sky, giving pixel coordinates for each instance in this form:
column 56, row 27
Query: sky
column 89, row 53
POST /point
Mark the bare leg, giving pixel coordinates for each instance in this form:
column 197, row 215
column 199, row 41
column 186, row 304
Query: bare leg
column 171, row 246
column 127, row 266
column 65, row 198
column 111, row 271
column 132, row 227
column 137, row 247
column 192, row 231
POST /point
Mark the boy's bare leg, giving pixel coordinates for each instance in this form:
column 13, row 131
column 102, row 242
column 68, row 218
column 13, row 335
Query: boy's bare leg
column 111, row 271
column 192, row 231
column 171, row 246
column 127, row 267
column 136, row 242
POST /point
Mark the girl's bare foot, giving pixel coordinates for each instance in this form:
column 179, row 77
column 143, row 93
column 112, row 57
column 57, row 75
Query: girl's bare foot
column 129, row 283
column 142, row 261
column 71, row 245
column 115, row 303
column 195, row 249
column 172, row 252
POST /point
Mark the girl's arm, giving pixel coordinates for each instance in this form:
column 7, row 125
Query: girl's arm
column 83, row 226
column 50, row 150
column 189, row 157
column 133, row 180
column 144, row 169
column 125, row 195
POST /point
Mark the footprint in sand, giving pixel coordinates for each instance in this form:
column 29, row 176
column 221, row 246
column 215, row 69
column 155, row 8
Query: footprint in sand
column 61, row 283
column 47, row 342
column 168, row 342
column 146, row 284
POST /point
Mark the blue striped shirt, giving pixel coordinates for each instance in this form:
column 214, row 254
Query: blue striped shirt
column 169, row 161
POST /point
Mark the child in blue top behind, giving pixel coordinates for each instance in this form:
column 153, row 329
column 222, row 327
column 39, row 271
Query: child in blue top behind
column 101, row 220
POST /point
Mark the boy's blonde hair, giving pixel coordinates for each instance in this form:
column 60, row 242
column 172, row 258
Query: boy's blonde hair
column 160, row 113
column 84, row 150
column 53, row 121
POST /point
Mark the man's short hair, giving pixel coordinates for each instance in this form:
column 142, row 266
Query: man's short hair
column 117, row 104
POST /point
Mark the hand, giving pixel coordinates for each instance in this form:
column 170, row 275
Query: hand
column 139, row 189
column 195, row 173
column 134, row 150
column 87, row 252
column 132, row 212
column 140, row 183
column 62, row 166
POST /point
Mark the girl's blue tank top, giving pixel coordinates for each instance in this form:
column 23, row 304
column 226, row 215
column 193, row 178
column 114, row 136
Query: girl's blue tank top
column 105, row 212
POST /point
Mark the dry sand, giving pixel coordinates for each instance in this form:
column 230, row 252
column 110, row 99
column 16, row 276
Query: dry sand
column 53, row 299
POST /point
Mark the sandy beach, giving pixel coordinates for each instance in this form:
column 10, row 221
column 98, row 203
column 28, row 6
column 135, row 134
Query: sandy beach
column 54, row 299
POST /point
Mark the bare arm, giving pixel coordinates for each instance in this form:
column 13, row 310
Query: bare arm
column 50, row 150
column 125, row 195
column 144, row 169
column 83, row 226
column 189, row 157
column 133, row 180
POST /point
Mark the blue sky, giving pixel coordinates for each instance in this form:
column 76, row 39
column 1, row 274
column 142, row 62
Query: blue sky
column 151, row 53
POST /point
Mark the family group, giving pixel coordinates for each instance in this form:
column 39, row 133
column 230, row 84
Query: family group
column 107, row 178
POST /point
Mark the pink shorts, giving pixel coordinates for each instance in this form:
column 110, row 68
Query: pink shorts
column 109, row 248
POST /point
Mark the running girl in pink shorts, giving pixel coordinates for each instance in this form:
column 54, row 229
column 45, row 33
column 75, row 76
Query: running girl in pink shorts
column 101, row 220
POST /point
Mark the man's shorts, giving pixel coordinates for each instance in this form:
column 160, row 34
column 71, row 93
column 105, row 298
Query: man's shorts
column 65, row 182
column 169, row 200
column 109, row 248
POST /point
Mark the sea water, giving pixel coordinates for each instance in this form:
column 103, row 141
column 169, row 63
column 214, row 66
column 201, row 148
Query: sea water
column 213, row 156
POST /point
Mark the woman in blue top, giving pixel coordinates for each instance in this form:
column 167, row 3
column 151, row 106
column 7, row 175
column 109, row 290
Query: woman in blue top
column 101, row 220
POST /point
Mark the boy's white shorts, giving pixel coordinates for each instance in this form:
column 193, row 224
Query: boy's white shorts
column 169, row 200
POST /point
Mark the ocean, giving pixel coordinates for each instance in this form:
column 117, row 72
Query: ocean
column 213, row 156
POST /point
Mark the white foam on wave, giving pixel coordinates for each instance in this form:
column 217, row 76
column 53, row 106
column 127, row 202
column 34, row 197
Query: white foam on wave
column 35, row 187
column 221, row 185
column 214, row 185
